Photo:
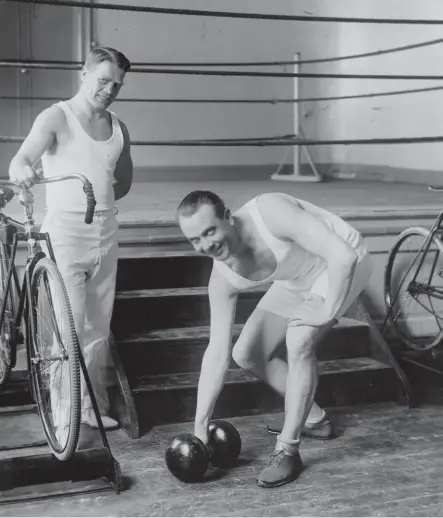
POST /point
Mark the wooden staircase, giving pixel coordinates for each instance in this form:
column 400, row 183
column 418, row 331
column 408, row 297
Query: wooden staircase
column 160, row 325
column 160, row 332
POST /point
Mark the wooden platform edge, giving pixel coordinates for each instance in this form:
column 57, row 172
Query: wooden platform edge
column 123, row 405
column 379, row 348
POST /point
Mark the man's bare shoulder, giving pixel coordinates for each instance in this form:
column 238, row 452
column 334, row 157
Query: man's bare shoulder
column 279, row 212
column 275, row 203
column 52, row 118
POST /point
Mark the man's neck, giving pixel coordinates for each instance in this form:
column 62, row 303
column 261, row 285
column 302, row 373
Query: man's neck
column 244, row 240
column 86, row 109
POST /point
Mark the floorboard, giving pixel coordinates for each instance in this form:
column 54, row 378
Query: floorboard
column 384, row 462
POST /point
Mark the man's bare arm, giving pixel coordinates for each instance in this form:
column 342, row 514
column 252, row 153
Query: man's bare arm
column 217, row 357
column 291, row 223
column 42, row 135
column 124, row 168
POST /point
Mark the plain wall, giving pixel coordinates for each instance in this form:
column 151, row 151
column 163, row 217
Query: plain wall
column 161, row 38
column 169, row 38
column 411, row 115
column 34, row 32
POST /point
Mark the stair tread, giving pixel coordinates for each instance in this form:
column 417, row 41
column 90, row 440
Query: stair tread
column 137, row 251
column 174, row 292
column 190, row 379
column 202, row 332
column 150, row 239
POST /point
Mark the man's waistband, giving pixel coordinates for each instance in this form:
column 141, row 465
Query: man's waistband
column 99, row 212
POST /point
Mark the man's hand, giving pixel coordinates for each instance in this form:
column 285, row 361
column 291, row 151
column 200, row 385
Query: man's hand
column 312, row 313
column 24, row 175
column 6, row 195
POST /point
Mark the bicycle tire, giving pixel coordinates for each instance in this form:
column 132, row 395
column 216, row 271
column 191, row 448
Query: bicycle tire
column 46, row 276
column 417, row 333
column 7, row 351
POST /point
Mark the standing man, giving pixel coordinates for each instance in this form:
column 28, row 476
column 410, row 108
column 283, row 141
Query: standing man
column 83, row 136
column 317, row 264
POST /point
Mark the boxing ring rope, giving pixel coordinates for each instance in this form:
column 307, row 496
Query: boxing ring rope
column 263, row 63
column 240, row 101
column 291, row 140
column 56, row 66
column 227, row 14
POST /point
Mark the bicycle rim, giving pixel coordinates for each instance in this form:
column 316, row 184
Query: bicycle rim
column 6, row 326
column 414, row 288
column 55, row 364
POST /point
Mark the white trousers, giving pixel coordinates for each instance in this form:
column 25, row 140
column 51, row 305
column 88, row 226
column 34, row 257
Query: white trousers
column 86, row 256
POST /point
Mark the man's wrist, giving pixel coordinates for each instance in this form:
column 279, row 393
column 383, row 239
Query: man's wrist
column 329, row 311
column 201, row 423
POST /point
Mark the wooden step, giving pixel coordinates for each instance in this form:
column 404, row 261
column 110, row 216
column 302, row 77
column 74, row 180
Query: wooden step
column 142, row 237
column 153, row 251
column 172, row 398
column 137, row 311
column 17, row 390
column 162, row 351
column 163, row 270
column 191, row 291
column 190, row 379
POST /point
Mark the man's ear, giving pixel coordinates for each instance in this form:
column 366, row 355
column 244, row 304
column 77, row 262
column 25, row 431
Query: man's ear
column 83, row 73
column 228, row 215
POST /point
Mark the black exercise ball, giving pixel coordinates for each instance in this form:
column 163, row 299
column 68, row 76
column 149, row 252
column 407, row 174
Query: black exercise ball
column 224, row 443
column 187, row 458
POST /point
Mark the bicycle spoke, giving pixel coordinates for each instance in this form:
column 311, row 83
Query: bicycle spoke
column 54, row 358
column 6, row 321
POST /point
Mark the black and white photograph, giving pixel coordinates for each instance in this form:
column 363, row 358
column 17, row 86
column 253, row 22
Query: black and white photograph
column 221, row 289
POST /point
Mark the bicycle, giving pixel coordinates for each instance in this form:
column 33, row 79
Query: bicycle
column 414, row 266
column 37, row 312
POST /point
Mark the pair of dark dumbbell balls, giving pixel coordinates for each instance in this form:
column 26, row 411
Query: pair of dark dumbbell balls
column 188, row 458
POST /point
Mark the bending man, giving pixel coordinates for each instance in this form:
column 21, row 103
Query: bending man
column 317, row 265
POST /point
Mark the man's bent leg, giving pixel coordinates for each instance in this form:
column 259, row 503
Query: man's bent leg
column 302, row 379
column 285, row 463
column 261, row 336
column 317, row 423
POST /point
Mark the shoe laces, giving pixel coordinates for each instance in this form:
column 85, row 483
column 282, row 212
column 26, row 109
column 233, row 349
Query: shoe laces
column 276, row 458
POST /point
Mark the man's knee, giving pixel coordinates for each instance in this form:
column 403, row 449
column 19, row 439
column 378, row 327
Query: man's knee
column 248, row 355
column 243, row 356
column 300, row 350
column 301, row 342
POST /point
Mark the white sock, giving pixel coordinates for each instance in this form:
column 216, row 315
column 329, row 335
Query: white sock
column 289, row 445
column 316, row 419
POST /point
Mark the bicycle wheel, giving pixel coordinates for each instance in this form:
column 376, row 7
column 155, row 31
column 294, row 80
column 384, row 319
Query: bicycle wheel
column 7, row 353
column 414, row 289
column 55, row 367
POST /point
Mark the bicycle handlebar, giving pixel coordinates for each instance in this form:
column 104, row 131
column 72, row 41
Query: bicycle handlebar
column 87, row 188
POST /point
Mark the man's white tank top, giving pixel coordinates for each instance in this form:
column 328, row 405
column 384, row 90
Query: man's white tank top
column 297, row 268
column 82, row 154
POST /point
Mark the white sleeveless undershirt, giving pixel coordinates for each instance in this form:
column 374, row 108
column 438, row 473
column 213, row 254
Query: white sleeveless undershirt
column 82, row 154
column 296, row 267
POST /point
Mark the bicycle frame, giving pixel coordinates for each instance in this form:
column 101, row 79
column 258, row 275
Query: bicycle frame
column 23, row 313
column 35, row 254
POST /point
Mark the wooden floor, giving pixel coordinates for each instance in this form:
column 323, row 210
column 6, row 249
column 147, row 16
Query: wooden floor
column 157, row 201
column 385, row 462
